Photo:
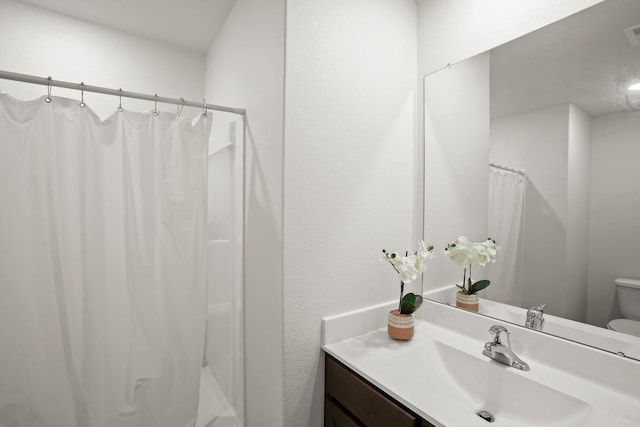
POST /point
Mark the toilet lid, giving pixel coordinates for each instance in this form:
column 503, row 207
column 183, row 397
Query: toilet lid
column 626, row 326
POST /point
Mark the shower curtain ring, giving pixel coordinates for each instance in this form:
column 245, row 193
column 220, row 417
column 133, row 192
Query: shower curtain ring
column 155, row 105
column 82, row 104
column 120, row 109
column 204, row 108
column 47, row 99
column 180, row 107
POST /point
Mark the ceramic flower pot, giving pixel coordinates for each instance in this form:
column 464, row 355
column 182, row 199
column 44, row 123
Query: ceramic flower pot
column 400, row 326
column 468, row 302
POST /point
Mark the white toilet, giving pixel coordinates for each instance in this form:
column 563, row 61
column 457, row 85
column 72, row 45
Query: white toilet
column 628, row 292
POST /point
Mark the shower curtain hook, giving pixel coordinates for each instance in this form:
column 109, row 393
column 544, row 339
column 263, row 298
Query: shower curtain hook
column 47, row 99
column 155, row 105
column 120, row 109
column 180, row 107
column 82, row 104
column 204, row 108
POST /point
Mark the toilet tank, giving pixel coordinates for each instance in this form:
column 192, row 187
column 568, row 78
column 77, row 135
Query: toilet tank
column 628, row 291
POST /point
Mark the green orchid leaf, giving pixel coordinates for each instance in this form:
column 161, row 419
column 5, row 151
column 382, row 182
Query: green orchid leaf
column 410, row 303
column 410, row 298
column 478, row 286
column 407, row 307
column 418, row 301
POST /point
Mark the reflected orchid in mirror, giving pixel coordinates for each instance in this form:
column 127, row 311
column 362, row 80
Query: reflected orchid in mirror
column 466, row 253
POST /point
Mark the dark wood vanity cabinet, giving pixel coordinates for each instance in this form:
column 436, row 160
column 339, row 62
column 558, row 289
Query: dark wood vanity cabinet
column 351, row 401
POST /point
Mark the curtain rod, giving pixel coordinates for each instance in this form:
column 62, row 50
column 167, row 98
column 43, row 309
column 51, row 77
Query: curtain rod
column 47, row 81
column 518, row 171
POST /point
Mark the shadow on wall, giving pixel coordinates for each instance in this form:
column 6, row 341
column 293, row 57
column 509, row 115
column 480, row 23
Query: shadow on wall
column 261, row 224
column 316, row 387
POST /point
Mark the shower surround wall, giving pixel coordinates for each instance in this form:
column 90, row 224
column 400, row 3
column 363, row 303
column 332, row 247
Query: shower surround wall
column 245, row 67
column 223, row 383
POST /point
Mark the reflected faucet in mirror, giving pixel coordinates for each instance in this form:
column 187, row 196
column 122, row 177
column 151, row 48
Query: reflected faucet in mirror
column 534, row 317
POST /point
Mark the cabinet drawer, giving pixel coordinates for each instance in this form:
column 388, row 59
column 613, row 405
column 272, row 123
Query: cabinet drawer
column 366, row 403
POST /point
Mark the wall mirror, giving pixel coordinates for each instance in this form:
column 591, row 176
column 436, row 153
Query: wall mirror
column 556, row 105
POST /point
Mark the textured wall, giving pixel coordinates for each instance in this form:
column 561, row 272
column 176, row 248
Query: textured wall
column 349, row 172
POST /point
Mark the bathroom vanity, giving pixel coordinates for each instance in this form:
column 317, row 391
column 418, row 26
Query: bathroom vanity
column 441, row 377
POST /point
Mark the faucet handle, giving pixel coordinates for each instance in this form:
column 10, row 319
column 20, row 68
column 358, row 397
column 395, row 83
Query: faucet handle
column 497, row 330
column 539, row 308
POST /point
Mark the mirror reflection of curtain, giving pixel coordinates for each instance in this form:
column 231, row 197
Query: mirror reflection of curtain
column 102, row 266
column 506, row 210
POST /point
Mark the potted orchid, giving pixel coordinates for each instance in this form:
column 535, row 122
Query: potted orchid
column 408, row 267
column 468, row 254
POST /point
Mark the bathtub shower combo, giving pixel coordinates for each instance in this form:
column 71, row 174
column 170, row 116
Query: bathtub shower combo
column 121, row 245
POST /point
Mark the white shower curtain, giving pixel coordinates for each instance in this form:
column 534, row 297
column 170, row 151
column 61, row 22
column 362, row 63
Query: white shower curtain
column 102, row 266
column 506, row 210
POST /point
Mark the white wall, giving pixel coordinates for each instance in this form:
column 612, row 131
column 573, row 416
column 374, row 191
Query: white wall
column 615, row 207
column 456, row 152
column 34, row 41
column 349, row 172
column 245, row 68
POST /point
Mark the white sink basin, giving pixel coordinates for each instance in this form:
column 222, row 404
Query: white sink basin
column 506, row 393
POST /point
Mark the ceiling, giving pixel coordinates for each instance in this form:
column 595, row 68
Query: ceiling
column 584, row 59
column 190, row 24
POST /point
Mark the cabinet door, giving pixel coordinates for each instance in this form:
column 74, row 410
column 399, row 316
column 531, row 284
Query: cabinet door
column 424, row 423
column 334, row 416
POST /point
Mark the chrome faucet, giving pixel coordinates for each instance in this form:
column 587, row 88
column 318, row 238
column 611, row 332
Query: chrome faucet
column 534, row 317
column 499, row 352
